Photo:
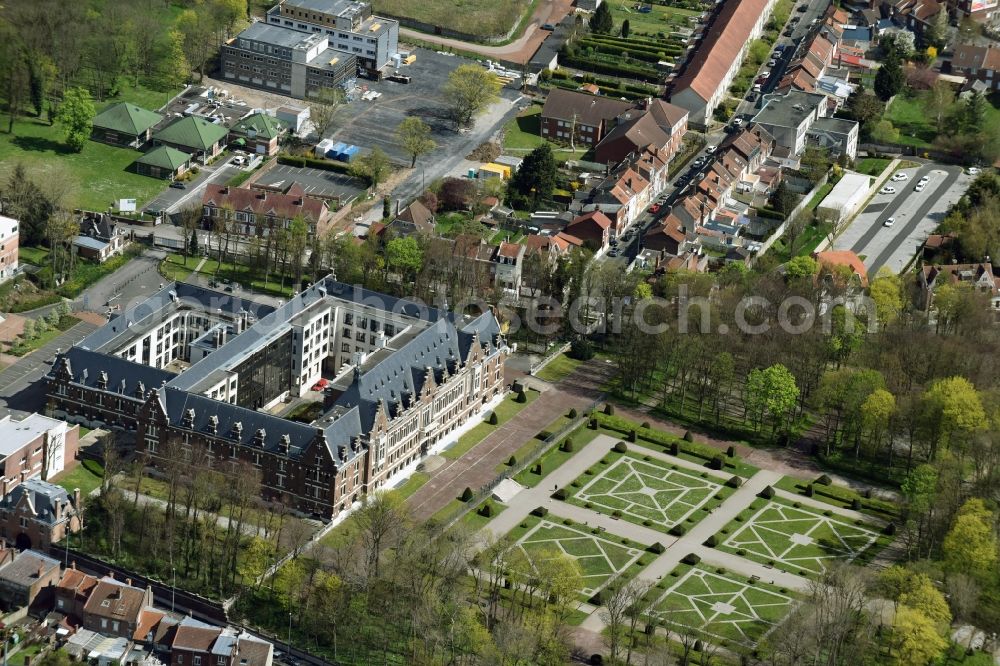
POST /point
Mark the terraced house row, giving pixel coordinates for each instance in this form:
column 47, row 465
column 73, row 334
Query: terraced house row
column 193, row 371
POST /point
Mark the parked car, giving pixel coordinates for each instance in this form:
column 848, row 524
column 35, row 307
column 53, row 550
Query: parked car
column 756, row 87
column 772, row 62
column 919, row 187
column 178, row 185
column 889, row 222
column 321, row 384
column 899, row 176
column 888, row 189
column 973, row 171
column 655, row 208
column 548, row 26
column 802, row 8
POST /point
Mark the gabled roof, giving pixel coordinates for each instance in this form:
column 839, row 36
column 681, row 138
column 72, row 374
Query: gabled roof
column 126, row 118
column 115, row 600
column 969, row 56
column 261, row 124
column 27, row 568
column 44, row 499
column 267, row 204
column 165, row 157
column 588, row 109
column 844, row 258
column 419, row 215
column 594, row 218
column 192, row 132
column 88, row 368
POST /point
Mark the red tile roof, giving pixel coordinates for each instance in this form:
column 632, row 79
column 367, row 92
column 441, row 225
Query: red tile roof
column 726, row 36
column 267, row 204
column 593, row 217
column 844, row 258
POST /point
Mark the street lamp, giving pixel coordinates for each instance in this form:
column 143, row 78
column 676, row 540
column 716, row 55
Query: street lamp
column 289, row 633
column 173, row 588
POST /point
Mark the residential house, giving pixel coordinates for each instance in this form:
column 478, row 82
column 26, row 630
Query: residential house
column 163, row 162
column 9, row 243
column 833, row 261
column 37, row 514
column 27, row 580
column 124, row 124
column 194, row 136
column 259, row 212
column 100, row 237
column 414, row 219
column 838, row 135
column 717, row 58
column 258, row 133
column 584, row 118
column 34, row 447
column 508, row 264
column 977, row 63
column 593, row 228
column 915, row 15
column 789, row 117
column 977, row 276
column 669, row 237
column 659, row 127
column 113, row 607
column 754, row 145
column 72, row 592
column 198, row 644
column 978, row 10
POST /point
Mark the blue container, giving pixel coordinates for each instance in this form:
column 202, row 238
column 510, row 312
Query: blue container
column 336, row 151
column 349, row 153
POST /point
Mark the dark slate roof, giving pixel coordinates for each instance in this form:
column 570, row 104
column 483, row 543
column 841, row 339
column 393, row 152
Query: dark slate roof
column 124, row 377
column 27, row 567
column 44, row 498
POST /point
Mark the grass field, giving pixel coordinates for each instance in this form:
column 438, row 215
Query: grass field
column 174, row 269
column 661, row 19
column 722, row 606
column 798, row 540
column 819, row 196
column 523, row 134
column 86, row 476
column 908, row 112
column 483, row 19
column 505, row 411
column 558, row 368
column 39, row 256
column 600, row 558
column 646, row 490
column 872, row 166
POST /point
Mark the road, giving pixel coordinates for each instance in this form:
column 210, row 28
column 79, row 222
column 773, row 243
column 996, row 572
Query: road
column 172, row 200
column 915, row 215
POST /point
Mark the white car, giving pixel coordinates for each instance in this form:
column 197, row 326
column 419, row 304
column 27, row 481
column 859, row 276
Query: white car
column 899, row 176
column 925, row 179
column 889, row 222
column 919, row 187
column 756, row 87
column 888, row 189
column 973, row 171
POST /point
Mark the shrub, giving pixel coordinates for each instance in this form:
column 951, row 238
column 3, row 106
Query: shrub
column 616, row 514
column 691, row 559
column 632, row 436
column 597, row 599
column 609, row 409
column 581, row 350
column 868, row 493
column 741, row 552
column 688, row 437
column 721, row 571
column 492, row 418
column 520, row 396
column 540, row 511
column 698, row 645
column 575, row 484
column 559, row 494
column 824, row 480
column 647, row 523
column 828, row 513
column 657, row 548
column 524, row 526
column 797, row 505
column 588, row 505
column 572, row 413
column 593, row 424
column 511, row 461
column 646, row 458
column 678, row 530
column 567, row 521
column 486, row 510
column 537, row 469
column 543, row 435
column 856, row 504
column 716, row 463
column 783, row 590
column 889, row 529
column 734, row 481
column 767, row 492
column 620, row 447
column 567, row 445
column 731, row 451
column 675, row 449
column 467, row 494
column 645, row 424
column 711, row 541
column 809, row 490
column 596, row 660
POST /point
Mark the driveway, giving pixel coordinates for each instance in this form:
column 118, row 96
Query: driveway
column 915, row 215
column 172, row 200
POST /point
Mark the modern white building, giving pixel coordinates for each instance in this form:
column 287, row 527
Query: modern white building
column 846, row 197
column 8, row 247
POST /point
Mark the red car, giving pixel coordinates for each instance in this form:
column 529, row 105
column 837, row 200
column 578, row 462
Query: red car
column 655, row 208
column 321, row 384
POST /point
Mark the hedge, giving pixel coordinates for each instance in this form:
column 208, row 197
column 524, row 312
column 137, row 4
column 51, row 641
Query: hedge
column 620, row 447
column 734, row 482
column 678, row 530
column 559, row 494
column 711, row 541
column 467, row 494
column 540, row 511
column 767, row 492
column 613, row 69
column 691, row 558
column 325, row 165
column 657, row 548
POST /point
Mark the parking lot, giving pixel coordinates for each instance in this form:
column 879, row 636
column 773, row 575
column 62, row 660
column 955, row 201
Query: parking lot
column 315, row 182
column 914, row 214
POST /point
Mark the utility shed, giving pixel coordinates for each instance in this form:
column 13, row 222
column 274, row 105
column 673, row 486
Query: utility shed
column 846, row 197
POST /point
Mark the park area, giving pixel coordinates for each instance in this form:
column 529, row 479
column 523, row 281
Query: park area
column 722, row 605
column 908, row 113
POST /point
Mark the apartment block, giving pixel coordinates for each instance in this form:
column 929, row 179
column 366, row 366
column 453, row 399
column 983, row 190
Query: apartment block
column 8, row 247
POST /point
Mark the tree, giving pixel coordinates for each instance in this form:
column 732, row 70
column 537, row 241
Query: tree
column 405, row 256
column 801, row 267
column 468, row 91
column 971, row 546
column 601, row 22
column 41, row 72
column 323, row 107
column 414, row 136
column 76, row 115
column 196, row 28
column 953, row 411
column 535, row 179
column 16, row 80
column 899, row 45
column 890, row 78
column 771, row 391
column 920, row 594
column 876, row 411
column 373, row 167
column 886, row 290
column 940, row 102
column 917, row 639
column 626, row 29
column 456, row 193
column 936, row 33
column 974, row 112
column 173, row 68
column 864, row 106
column 884, row 132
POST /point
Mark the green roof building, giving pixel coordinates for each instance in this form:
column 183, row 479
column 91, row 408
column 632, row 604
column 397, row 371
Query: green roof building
column 258, row 133
column 163, row 162
column 124, row 124
column 193, row 135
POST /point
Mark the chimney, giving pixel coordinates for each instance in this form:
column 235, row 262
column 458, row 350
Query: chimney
column 41, row 570
column 73, row 565
column 225, row 190
column 128, row 581
column 111, row 574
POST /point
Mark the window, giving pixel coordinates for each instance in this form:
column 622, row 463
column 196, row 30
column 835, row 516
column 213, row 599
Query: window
column 197, row 660
column 24, row 522
column 104, row 623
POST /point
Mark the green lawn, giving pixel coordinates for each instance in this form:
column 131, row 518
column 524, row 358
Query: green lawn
column 819, row 196
column 99, row 173
column 485, row 19
column 872, row 166
column 722, row 605
column 558, row 368
column 174, row 269
column 412, row 484
column 86, row 476
column 661, row 19
column 18, row 658
column 475, row 521
column 39, row 256
column 505, row 411
column 908, row 112
column 22, row 347
column 523, row 134
column 841, row 497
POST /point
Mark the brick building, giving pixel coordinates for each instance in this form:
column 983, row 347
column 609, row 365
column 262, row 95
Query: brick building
column 36, row 446
column 259, row 212
column 26, row 579
column 37, row 514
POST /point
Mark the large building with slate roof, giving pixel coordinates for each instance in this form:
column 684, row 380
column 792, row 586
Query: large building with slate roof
column 192, row 367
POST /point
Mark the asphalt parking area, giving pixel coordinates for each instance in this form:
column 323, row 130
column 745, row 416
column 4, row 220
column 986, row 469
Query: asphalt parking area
column 915, row 216
column 368, row 124
column 316, row 182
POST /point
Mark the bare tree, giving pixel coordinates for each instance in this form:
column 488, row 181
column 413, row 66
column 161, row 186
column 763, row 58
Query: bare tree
column 381, row 520
column 617, row 598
